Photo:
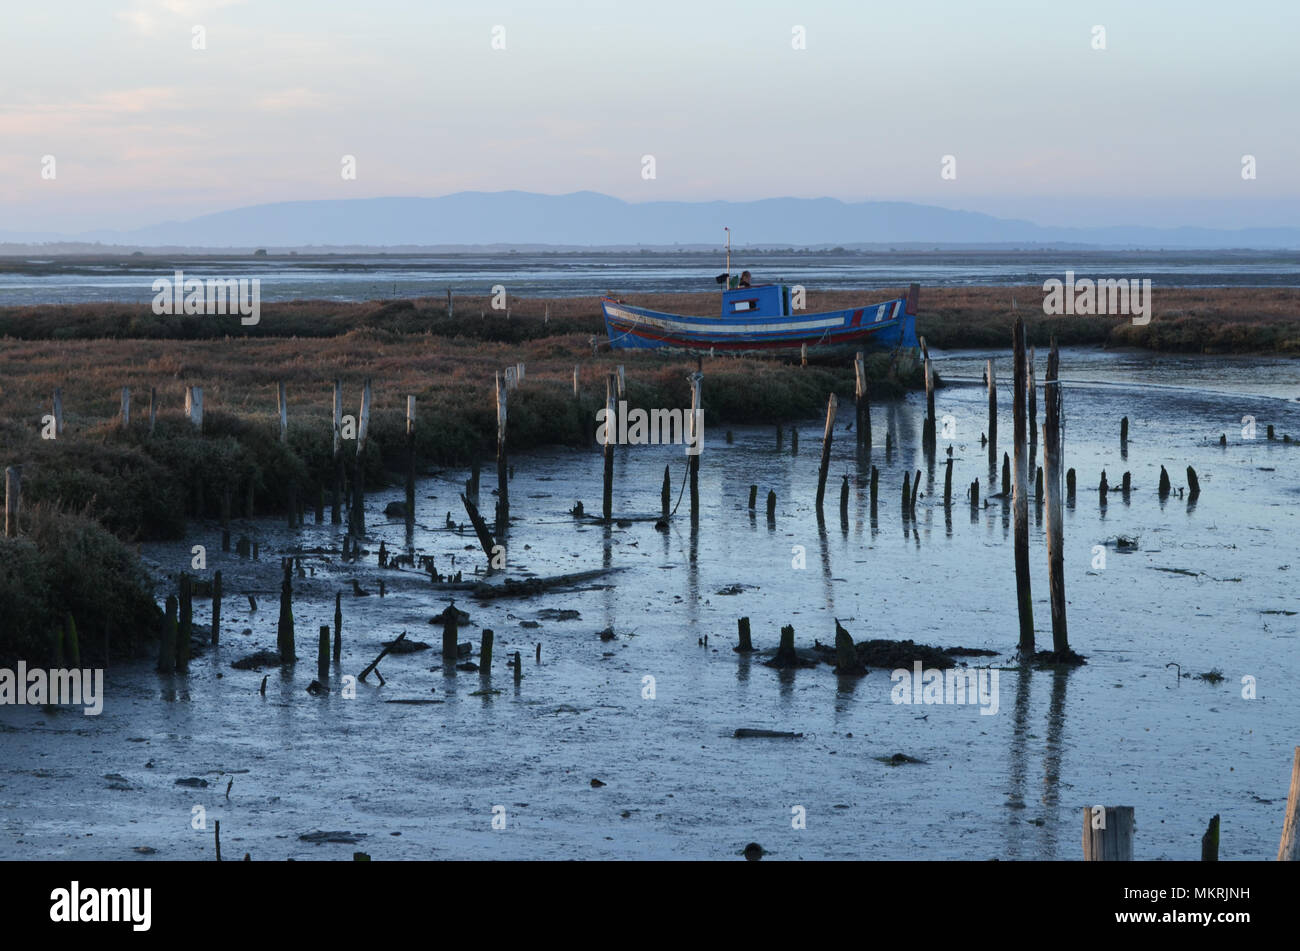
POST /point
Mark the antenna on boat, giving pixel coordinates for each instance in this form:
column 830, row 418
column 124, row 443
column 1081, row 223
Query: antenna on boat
column 728, row 230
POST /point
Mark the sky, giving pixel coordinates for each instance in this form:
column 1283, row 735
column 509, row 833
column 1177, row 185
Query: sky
column 1039, row 123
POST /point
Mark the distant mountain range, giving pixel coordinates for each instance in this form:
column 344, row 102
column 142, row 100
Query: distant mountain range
column 515, row 219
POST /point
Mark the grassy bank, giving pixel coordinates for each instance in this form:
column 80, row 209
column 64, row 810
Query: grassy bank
column 1212, row 320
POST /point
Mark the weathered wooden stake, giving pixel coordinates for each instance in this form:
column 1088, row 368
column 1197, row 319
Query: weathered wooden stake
column 947, row 484
column 1006, row 475
column 1031, row 396
column 993, row 417
column 742, row 628
column 503, row 474
column 284, row 628
column 1289, row 848
column 357, row 511
column 1193, row 485
column 1210, row 841
column 611, row 415
column 13, row 499
column 831, row 405
column 323, row 654
column 911, row 502
column 907, row 494
column 753, row 497
column 771, row 505
column 519, row 668
column 927, row 428
column 410, row 458
column 1113, row 841
column 216, row 607
column 185, row 628
column 335, row 517
column 844, row 502
column 153, row 408
column 1020, row 498
column 449, row 630
column 803, row 354
column 862, row 405
column 125, row 413
column 338, row 626
column 875, row 488
column 1055, row 523
column 485, row 652
column 666, row 495
column 1069, row 486
column 1164, row 483
column 697, row 442
column 1123, row 433
column 167, row 643
column 194, row 406
column 58, row 412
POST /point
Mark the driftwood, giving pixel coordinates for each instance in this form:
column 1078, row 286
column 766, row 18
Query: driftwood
column 480, row 528
column 382, row 654
column 743, row 734
column 526, row 587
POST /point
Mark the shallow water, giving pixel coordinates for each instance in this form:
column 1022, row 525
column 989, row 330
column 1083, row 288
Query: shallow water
column 1204, row 590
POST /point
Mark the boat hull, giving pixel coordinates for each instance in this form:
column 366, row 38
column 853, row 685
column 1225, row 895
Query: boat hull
column 883, row 326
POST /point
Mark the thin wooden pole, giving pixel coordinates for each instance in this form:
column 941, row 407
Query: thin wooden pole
column 1020, row 497
column 927, row 429
column 216, row 608
column 1052, row 458
column 13, row 499
column 611, row 417
column 697, row 440
column 503, row 481
column 1289, row 848
column 410, row 458
column 863, row 406
column 575, row 381
column 666, row 494
column 1031, row 395
column 831, row 405
column 357, row 512
column 338, row 626
column 993, row 418
column 125, row 420
column 58, row 412
column 335, row 517
column 282, row 409
column 153, row 408
column 323, row 653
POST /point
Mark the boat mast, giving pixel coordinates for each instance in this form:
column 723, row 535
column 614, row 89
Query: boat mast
column 728, row 282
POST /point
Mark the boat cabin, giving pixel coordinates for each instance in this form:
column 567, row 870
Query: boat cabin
column 763, row 300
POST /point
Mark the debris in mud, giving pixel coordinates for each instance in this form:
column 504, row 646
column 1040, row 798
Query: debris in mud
column 258, row 660
column 316, row 688
column 486, row 692
column 744, row 733
column 898, row 759
column 897, row 654
column 342, row 838
column 403, row 646
column 558, row 614
column 753, row 852
column 1126, row 543
column 737, row 589
column 526, row 587
column 1061, row 658
column 1211, row 676
column 193, row 782
column 468, row 667
column 529, row 624
column 607, row 634
column 596, row 784
column 415, row 701
column 118, row 782
column 145, row 850
column 395, row 510
column 969, row 652
column 847, row 662
column 786, row 655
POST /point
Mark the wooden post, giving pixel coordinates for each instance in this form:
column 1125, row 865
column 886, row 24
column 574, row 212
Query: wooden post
column 449, row 630
column 1031, row 395
column 13, row 499
column 451, row 312
column 357, row 512
column 282, row 409
column 753, row 497
column 1113, row 842
column 194, row 406
column 153, row 408
column 974, row 496
column 947, row 484
column 1289, row 848
column 862, row 406
column 410, row 458
column 1055, row 524
column 338, row 625
column 1193, row 485
column 927, row 428
column 125, row 414
column 58, row 412
column 993, row 417
column 1164, row 483
column 742, row 627
column 771, row 505
column 575, row 381
column 485, row 651
column 844, row 503
column 611, row 417
column 1069, row 485
column 185, row 628
column 697, row 441
column 503, row 483
column 1020, row 498
column 666, row 494
column 167, row 643
column 1210, row 841
column 216, row 608
column 911, row 502
column 284, row 628
column 519, row 668
column 1006, row 475
column 622, row 383
column 907, row 494
column 323, row 654
column 875, row 488
column 335, row 518
column 831, row 405
column 803, row 354
column 1123, row 434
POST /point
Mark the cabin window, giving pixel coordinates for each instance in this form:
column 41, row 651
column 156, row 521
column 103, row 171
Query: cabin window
column 743, row 305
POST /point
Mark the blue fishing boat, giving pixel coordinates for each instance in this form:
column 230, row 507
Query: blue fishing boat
column 760, row 320
column 764, row 318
